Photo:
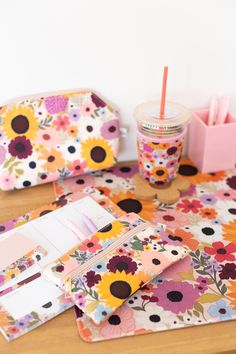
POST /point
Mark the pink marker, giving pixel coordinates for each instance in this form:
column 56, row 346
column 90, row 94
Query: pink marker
column 76, row 231
column 212, row 111
column 223, row 110
column 89, row 223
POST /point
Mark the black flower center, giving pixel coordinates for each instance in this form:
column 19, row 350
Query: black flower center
column 122, row 266
column 80, row 181
column 112, row 129
column 89, row 128
column 51, row 158
column 20, row 124
column 106, row 228
column 156, row 261
column 120, row 289
column 221, row 251
column 20, row 147
column 114, row 320
column 90, row 244
column 154, row 318
column 222, row 311
column 174, row 296
column 98, row 154
column 160, row 172
column 175, row 238
column 188, row 170
column 208, row 231
column 130, row 205
column 125, row 169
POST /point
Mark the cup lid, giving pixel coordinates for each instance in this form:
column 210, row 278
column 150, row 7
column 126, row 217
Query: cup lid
column 148, row 118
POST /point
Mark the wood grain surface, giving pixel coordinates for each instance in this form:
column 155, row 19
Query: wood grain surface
column 60, row 336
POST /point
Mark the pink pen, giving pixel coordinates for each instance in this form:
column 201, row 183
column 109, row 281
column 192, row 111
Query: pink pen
column 212, row 111
column 223, row 110
column 89, row 223
column 76, row 231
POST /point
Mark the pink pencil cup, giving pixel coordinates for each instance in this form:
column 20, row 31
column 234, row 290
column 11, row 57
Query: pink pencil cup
column 212, row 148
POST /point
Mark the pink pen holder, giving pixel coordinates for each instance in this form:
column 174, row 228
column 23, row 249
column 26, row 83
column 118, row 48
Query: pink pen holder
column 212, row 148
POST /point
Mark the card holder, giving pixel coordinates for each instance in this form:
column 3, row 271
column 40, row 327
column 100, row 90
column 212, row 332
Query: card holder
column 104, row 282
column 21, row 264
column 18, row 253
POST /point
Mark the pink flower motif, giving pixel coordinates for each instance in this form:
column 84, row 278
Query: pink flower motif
column 3, row 152
column 7, row 181
column 9, row 225
column 79, row 300
column 47, row 137
column 125, row 171
column 226, row 194
column 121, row 322
column 147, row 148
column 187, row 206
column 56, row 104
column 171, row 218
column 77, row 167
column 61, row 123
column 153, row 261
column 171, row 163
column 87, row 109
column 176, row 296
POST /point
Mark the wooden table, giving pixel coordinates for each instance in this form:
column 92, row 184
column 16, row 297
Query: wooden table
column 60, row 336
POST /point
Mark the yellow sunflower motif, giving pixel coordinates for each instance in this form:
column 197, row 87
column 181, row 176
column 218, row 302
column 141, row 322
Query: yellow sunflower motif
column 97, row 153
column 111, row 230
column 161, row 173
column 20, row 121
column 115, row 288
column 129, row 203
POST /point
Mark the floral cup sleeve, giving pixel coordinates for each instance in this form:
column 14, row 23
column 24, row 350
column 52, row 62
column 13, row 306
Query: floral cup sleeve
column 104, row 282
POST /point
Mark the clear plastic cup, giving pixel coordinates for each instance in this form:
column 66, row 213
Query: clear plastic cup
column 160, row 141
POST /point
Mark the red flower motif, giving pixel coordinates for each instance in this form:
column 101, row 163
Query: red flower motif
column 189, row 205
column 92, row 245
column 222, row 253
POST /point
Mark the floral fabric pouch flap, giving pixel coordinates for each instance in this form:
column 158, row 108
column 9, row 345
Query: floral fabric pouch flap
column 104, row 282
column 47, row 137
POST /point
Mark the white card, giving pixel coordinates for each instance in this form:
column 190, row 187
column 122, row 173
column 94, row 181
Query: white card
column 29, row 297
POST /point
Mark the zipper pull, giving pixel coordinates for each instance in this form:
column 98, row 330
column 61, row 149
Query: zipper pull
column 67, row 286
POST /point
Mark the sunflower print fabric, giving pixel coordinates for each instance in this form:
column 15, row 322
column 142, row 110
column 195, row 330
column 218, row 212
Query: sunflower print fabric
column 112, row 278
column 201, row 289
column 44, row 139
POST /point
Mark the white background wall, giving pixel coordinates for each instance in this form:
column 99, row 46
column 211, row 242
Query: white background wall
column 119, row 47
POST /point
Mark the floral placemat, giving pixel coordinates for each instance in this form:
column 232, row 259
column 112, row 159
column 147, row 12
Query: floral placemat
column 198, row 290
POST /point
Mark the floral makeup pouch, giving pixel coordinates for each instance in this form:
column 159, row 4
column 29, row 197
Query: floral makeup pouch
column 104, row 282
column 47, row 137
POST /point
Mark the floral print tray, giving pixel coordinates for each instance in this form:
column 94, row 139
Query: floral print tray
column 198, row 290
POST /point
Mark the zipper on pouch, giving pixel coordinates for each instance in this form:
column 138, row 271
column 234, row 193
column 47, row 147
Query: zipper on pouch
column 81, row 269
